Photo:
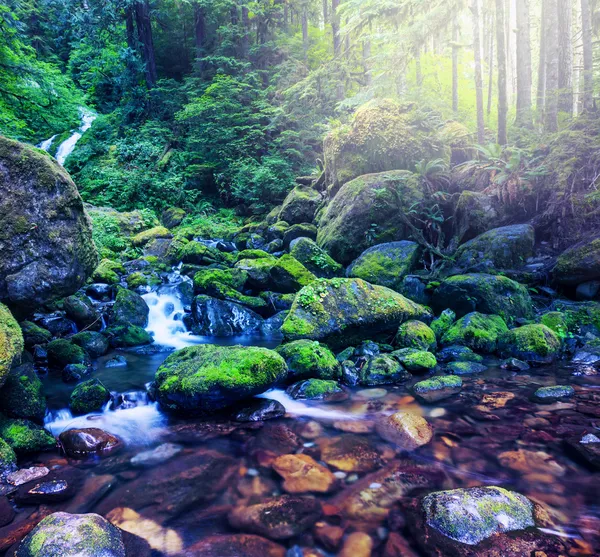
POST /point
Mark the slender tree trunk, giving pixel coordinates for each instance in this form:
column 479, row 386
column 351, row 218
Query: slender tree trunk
column 335, row 27
column 130, row 27
column 588, row 67
column 552, row 64
column 305, row 31
column 455, row 51
column 577, row 61
column 502, row 98
column 366, row 57
column 541, row 85
column 286, row 15
column 491, row 68
column 418, row 67
column 325, row 12
column 523, row 65
column 144, row 30
column 199, row 34
column 565, row 50
column 246, row 31
column 478, row 72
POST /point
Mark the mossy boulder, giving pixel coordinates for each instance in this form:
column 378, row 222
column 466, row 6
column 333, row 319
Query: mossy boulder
column 89, row 396
column 547, row 395
column 253, row 254
column 476, row 331
column 457, row 353
column 73, row 535
column 197, row 253
column 382, row 370
column 442, row 323
column 484, row 293
column 108, row 272
column 534, row 344
column 475, row 213
column 507, row 247
column 129, row 309
column 34, row 334
column 437, row 388
column 557, row 321
column 383, row 135
column 365, row 212
column 416, row 334
column 62, row 352
column 147, row 236
column 386, row 264
column 465, row 368
column 285, row 275
column 172, row 217
column 128, row 336
column 315, row 259
column 300, row 205
column 80, row 309
column 11, row 342
column 221, row 318
column 348, row 311
column 23, row 395
column 308, row 359
column 578, row 264
column 24, row 436
column 206, row 378
column 318, row 389
column 140, row 279
column 226, row 284
column 474, row 514
column 296, row 231
column 46, row 236
column 415, row 361
column 8, row 458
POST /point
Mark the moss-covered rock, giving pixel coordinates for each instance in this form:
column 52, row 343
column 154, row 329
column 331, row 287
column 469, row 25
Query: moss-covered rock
column 172, row 217
column 198, row 253
column 129, row 309
column 491, row 294
column 437, row 388
column 285, row 275
column 11, row 342
column 139, row 279
column 318, row 389
column 315, row 259
column 226, row 284
column 415, row 361
column 24, row 436
column 8, row 458
column 416, row 334
column 580, row 263
column 465, row 368
column 202, row 379
column 34, row 334
column 557, row 321
column 47, row 248
column 441, row 324
column 308, row 359
column 534, row 344
column 296, row 231
column 23, row 395
column 62, row 352
column 365, row 212
column 221, row 318
column 472, row 515
column 128, row 336
column 300, row 205
column 383, row 135
column 89, row 396
column 475, row 213
column 386, row 264
column 345, row 311
column 253, row 254
column 382, row 370
column 73, row 535
column 457, row 353
column 508, row 247
column 108, row 272
column 80, row 309
column 476, row 331
column 146, row 236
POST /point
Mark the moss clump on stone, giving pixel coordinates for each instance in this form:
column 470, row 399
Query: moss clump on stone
column 476, row 331
column 308, row 359
column 108, row 272
column 62, row 352
column 317, row 389
column 205, row 378
column 554, row 393
column 129, row 309
column 8, row 458
column 140, row 279
column 89, row 396
column 579, row 263
column 300, row 205
column 440, row 325
column 534, row 344
column 11, row 342
column 253, row 254
column 465, row 368
column 437, row 388
column 197, row 253
column 23, row 395
column 557, row 321
column 127, row 336
column 315, row 259
column 416, row 334
column 34, row 334
column 382, row 370
column 225, row 284
column 415, row 361
column 94, row 343
column 25, row 437
column 146, row 236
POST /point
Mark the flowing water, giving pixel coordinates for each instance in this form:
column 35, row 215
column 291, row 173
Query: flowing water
column 67, row 146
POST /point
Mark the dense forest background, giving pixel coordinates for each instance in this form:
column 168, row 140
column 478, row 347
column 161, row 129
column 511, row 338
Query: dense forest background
column 204, row 103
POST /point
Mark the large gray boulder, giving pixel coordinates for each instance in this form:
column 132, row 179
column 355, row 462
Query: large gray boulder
column 578, row 264
column 46, row 247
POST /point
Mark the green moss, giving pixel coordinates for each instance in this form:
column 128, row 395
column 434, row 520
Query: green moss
column 62, row 352
column 146, row 236
column 129, row 309
column 477, row 331
column 557, row 321
column 8, row 458
column 199, row 254
column 34, row 334
column 307, row 359
column 108, row 272
column 465, row 367
column 534, row 344
column 126, row 336
column 416, row 334
column 11, row 342
column 23, row 395
column 315, row 389
column 440, row 325
column 226, row 284
column 139, row 279
column 416, row 361
column 253, row 254
column 553, row 393
column 89, row 396
column 573, row 265
column 442, row 382
column 25, row 437
column 315, row 259
column 382, row 370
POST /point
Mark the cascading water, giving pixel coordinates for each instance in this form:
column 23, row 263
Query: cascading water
column 67, row 146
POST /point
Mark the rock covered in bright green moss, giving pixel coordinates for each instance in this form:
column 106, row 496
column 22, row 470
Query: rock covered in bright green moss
column 465, row 368
column 557, row 321
column 416, row 334
column 108, row 271
column 129, row 309
column 23, row 394
column 11, row 342
column 553, row 393
column 198, row 253
column 491, row 294
column 203, row 379
column 139, row 279
column 365, row 212
column 386, row 264
column 318, row 389
column 300, row 205
column 477, row 331
column 128, row 336
column 308, row 359
column 172, row 217
column 534, row 344
column 345, row 311
column 34, row 334
column 24, row 436
column 226, row 284
column 89, row 396
column 285, row 275
column 415, row 361
column 315, row 259
column 94, row 343
column 142, row 238
column 220, row 318
column 457, row 353
column 62, row 352
column 580, row 263
column 507, row 247
column 73, row 535
column 47, row 251
column 296, row 231
column 382, row 370
column 441, row 324
column 8, row 458
column 437, row 388
column 253, row 254
column 80, row 309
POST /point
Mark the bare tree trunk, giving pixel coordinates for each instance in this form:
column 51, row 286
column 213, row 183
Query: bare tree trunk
column 335, row 27
column 577, row 61
column 144, row 31
column 130, row 28
column 246, row 32
column 455, row 50
column 305, row 31
column 502, row 94
column 199, row 34
column 588, row 64
column 552, row 64
column 366, row 57
column 478, row 72
column 565, row 50
column 541, row 85
column 326, row 12
column 523, row 65
column 491, row 69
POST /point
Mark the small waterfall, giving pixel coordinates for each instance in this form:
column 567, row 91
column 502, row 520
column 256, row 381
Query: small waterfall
column 298, row 408
column 45, row 145
column 66, row 147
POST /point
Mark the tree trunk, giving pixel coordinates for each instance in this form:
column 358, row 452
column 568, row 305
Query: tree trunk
column 305, row 31
column 325, row 12
column 565, row 62
column 130, row 28
column 366, row 58
column 541, row 86
column 523, row 65
column 418, row 68
column 455, row 50
column 246, row 31
column 199, row 34
column 501, row 48
column 552, row 63
column 478, row 72
column 144, row 31
column 588, row 83
column 491, row 70
column 335, row 27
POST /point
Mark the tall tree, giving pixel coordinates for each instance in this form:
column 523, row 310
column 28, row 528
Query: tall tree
column 335, row 27
column 541, row 84
column 588, row 83
column 502, row 91
column 145, row 40
column 478, row 72
column 199, row 33
column 326, row 12
column 455, row 51
column 552, row 64
column 565, row 61
column 523, row 64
